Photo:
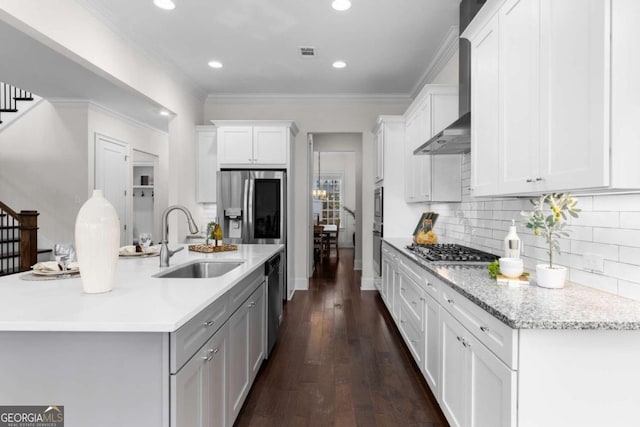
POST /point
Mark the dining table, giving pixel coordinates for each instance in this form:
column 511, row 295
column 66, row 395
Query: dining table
column 327, row 231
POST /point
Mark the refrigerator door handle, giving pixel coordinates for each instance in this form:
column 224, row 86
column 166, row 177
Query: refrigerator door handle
column 252, row 185
column 245, row 219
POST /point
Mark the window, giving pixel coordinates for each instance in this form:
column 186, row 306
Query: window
column 329, row 209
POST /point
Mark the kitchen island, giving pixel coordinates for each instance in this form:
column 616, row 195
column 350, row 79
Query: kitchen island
column 152, row 352
column 514, row 356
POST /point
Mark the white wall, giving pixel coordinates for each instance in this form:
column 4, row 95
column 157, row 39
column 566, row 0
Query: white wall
column 43, row 167
column 315, row 116
column 70, row 29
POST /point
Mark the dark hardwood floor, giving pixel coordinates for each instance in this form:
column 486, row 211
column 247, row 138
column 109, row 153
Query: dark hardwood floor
column 339, row 361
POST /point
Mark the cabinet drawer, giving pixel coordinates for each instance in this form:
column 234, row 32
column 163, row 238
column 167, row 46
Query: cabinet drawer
column 498, row 337
column 190, row 337
column 412, row 296
column 422, row 277
column 411, row 332
column 241, row 292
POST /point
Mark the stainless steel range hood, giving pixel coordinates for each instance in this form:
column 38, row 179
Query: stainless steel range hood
column 456, row 138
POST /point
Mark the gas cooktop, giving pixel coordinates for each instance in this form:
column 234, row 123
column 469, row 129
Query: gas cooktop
column 451, row 252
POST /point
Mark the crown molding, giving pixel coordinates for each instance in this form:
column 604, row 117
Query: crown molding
column 448, row 47
column 241, row 98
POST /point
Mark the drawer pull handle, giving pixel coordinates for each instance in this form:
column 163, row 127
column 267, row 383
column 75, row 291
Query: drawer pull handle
column 449, row 300
column 252, row 304
column 215, row 351
column 414, row 303
column 429, row 285
column 529, row 180
column 484, row 329
column 466, row 343
column 402, row 321
column 459, row 339
column 414, row 341
column 423, row 299
column 208, row 323
column 403, row 289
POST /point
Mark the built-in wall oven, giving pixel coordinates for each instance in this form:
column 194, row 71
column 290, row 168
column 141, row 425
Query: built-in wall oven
column 377, row 230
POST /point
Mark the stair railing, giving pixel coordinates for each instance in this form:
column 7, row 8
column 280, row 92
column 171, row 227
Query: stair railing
column 17, row 229
column 9, row 97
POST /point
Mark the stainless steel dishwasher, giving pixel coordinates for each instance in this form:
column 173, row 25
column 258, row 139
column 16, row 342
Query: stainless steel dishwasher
column 275, row 278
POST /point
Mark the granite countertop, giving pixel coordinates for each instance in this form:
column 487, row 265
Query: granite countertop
column 532, row 307
column 137, row 303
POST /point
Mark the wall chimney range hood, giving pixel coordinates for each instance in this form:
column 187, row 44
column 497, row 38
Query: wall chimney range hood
column 456, row 138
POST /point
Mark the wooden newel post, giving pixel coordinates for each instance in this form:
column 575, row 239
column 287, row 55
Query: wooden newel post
column 28, row 239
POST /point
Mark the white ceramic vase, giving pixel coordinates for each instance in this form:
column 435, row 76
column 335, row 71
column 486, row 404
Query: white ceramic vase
column 552, row 278
column 97, row 243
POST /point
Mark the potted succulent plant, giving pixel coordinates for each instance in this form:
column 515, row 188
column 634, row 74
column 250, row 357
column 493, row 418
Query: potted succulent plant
column 548, row 218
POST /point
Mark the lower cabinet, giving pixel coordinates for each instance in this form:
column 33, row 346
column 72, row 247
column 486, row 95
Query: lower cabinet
column 211, row 387
column 477, row 388
column 246, row 349
column 198, row 389
column 469, row 366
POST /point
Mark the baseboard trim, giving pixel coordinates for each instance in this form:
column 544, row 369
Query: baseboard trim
column 367, row 284
column 301, row 284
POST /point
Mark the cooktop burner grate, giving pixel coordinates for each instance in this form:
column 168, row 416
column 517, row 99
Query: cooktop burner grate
column 450, row 252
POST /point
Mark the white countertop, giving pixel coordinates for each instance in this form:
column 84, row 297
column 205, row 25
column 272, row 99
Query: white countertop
column 137, row 303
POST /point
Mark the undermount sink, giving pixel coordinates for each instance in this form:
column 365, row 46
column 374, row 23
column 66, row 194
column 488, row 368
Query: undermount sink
column 201, row 269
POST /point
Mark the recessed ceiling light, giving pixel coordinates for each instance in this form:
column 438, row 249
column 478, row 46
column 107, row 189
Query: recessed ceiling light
column 164, row 113
column 215, row 64
column 339, row 64
column 165, row 4
column 341, row 5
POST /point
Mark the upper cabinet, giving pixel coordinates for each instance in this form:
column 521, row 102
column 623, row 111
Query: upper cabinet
column 545, row 110
column 256, row 143
column 206, row 164
column 431, row 177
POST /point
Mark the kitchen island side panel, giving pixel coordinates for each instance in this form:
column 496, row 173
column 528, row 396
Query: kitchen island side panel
column 102, row 379
column 586, row 378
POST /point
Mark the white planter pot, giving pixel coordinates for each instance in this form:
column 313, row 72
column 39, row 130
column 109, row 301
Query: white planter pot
column 553, row 278
column 97, row 243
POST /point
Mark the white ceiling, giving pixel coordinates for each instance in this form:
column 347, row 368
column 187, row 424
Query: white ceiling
column 387, row 44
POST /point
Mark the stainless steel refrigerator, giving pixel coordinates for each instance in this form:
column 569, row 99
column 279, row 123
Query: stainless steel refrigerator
column 252, row 206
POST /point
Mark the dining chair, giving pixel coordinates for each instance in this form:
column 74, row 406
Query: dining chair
column 318, row 242
column 332, row 240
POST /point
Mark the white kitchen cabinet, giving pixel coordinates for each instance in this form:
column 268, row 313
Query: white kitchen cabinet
column 254, row 143
column 485, row 105
column 431, row 177
column 206, row 164
column 246, row 349
column 431, row 363
column 379, row 153
column 257, row 329
column 477, row 389
column 542, row 101
column 198, row 389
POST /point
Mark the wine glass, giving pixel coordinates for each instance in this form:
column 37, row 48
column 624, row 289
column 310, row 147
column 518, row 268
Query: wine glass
column 144, row 240
column 63, row 253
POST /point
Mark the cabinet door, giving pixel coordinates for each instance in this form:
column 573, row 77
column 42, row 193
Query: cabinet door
column 431, row 363
column 190, row 394
column 216, row 379
column 386, row 277
column 238, row 380
column 422, row 172
column 235, row 145
column 453, row 375
column 257, row 329
column 379, row 153
column 492, row 388
column 519, row 124
column 412, row 163
column 206, row 166
column 270, row 145
column 574, row 88
column 485, row 105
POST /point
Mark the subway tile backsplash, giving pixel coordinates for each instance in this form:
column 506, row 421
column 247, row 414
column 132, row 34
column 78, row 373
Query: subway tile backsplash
column 608, row 226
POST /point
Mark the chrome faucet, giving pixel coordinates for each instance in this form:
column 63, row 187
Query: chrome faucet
column 165, row 252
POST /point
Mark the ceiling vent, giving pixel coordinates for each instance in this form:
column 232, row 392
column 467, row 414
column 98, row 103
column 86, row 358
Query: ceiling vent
column 307, row 52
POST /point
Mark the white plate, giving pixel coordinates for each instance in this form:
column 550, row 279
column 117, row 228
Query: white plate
column 140, row 254
column 54, row 273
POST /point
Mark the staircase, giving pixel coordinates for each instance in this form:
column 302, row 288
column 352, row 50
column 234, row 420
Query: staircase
column 18, row 240
column 14, row 102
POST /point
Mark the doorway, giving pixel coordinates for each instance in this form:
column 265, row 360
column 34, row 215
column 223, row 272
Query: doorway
column 112, row 177
column 335, row 168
